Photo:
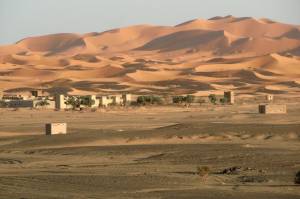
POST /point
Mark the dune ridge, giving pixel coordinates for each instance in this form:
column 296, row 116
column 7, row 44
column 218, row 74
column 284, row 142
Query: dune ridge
column 241, row 54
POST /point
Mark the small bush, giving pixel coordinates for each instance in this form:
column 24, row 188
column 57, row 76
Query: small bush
column 212, row 98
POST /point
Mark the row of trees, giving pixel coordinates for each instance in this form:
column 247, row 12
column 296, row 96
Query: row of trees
column 184, row 99
column 149, row 99
column 76, row 102
column 213, row 99
column 187, row 100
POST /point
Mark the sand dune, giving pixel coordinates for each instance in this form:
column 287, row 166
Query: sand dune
column 243, row 54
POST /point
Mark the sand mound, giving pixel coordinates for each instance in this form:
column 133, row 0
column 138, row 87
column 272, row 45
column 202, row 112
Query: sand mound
column 53, row 43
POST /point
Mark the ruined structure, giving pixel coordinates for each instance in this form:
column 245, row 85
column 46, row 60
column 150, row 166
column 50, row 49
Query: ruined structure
column 55, row 128
column 60, row 102
column 229, row 95
column 272, row 109
column 270, row 98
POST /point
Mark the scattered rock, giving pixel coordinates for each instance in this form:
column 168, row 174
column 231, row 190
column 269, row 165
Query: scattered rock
column 253, row 179
column 231, row 171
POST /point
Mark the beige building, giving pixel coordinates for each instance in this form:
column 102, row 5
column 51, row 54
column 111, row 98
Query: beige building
column 117, row 99
column 97, row 101
column 270, row 98
column 229, row 95
column 55, row 128
column 272, row 109
column 127, row 99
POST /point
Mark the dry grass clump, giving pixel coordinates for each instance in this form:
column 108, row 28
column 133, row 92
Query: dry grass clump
column 203, row 172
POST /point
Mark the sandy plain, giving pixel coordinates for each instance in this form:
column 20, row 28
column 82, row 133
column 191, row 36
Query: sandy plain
column 151, row 152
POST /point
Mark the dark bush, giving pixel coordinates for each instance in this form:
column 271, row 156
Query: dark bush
column 151, row 99
column 212, row 98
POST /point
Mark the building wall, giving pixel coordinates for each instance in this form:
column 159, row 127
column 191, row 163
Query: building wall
column 127, row 99
column 272, row 109
column 60, row 102
column 230, row 96
column 105, row 101
column 20, row 104
column 55, row 128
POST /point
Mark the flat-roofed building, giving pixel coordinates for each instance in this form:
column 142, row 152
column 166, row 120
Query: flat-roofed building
column 56, row 128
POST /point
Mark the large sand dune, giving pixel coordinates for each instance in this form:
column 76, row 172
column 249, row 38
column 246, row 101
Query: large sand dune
column 243, row 54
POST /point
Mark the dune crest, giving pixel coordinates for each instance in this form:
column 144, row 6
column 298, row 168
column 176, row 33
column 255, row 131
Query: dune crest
column 239, row 53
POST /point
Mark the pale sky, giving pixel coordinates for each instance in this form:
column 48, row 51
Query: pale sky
column 24, row 18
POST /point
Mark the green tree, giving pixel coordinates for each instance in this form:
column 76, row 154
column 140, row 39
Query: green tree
column 150, row 99
column 212, row 98
column 87, row 101
column 73, row 101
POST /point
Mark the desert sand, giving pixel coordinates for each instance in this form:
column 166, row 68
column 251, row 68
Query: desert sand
column 156, row 151
column 151, row 152
column 244, row 54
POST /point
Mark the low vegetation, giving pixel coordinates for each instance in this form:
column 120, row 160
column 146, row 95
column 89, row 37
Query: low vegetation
column 76, row 102
column 183, row 99
column 212, row 98
column 148, row 100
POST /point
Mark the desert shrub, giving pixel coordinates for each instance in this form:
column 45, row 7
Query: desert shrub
column 203, row 171
column 212, row 98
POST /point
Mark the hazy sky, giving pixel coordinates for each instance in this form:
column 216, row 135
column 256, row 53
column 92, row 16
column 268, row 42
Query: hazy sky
column 23, row 18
